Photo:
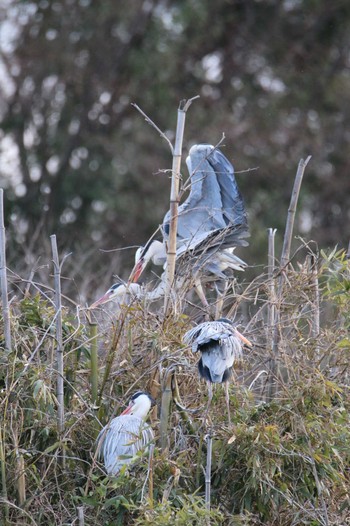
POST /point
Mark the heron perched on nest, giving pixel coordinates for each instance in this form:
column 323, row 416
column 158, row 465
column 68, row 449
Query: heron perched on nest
column 212, row 222
column 124, row 436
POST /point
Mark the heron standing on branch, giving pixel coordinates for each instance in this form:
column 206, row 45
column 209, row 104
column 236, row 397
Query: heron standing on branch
column 123, row 437
column 220, row 345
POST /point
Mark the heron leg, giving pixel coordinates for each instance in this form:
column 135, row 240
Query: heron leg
column 200, row 292
column 220, row 300
column 227, row 398
column 210, row 397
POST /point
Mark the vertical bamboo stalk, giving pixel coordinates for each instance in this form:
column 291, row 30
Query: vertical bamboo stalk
column 6, row 513
column 271, row 313
column 93, row 363
column 174, row 200
column 165, row 409
column 315, row 300
column 59, row 342
column 208, row 472
column 81, row 518
column 21, row 479
column 287, row 241
column 150, row 473
column 3, row 276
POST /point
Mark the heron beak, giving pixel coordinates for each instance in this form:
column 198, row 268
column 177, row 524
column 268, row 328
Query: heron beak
column 106, row 297
column 127, row 411
column 244, row 339
column 136, row 272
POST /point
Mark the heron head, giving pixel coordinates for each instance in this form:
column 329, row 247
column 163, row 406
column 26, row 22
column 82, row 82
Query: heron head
column 153, row 250
column 139, row 405
column 115, row 290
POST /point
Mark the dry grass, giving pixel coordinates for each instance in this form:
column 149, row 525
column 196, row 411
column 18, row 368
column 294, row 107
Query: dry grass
column 284, row 461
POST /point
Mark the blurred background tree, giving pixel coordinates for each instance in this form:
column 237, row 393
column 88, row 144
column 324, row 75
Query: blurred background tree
column 77, row 160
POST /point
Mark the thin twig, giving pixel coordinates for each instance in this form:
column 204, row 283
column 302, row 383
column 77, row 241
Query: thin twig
column 149, row 121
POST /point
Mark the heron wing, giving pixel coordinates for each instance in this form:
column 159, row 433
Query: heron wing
column 121, row 439
column 233, row 209
column 204, row 209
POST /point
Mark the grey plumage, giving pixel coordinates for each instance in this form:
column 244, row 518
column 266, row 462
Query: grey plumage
column 121, row 440
column 220, row 345
column 211, row 222
column 213, row 216
column 123, row 437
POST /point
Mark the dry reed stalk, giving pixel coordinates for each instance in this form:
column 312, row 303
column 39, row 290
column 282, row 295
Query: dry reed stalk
column 111, row 355
column 149, row 478
column 3, row 277
column 209, row 442
column 59, row 343
column 174, row 200
column 20, row 467
column 93, row 362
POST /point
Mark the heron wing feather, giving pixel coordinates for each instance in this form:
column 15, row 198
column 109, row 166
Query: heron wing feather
column 121, row 439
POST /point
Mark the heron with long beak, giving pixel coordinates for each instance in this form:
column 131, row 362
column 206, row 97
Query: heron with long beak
column 123, row 437
column 212, row 222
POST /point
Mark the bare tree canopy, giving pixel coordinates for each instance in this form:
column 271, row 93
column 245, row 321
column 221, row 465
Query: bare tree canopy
column 76, row 158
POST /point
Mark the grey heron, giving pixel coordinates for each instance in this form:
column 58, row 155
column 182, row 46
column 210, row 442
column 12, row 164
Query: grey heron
column 220, row 345
column 124, row 436
column 211, row 222
column 123, row 293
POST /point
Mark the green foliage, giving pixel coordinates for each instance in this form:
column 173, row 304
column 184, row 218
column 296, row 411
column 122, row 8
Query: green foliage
column 283, row 462
column 283, row 452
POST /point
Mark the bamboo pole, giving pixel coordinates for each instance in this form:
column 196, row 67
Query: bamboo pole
column 287, row 241
column 6, row 512
column 165, row 408
column 271, row 313
column 285, row 256
column 3, row 276
column 209, row 442
column 150, row 473
column 81, row 518
column 59, row 343
column 174, row 200
column 315, row 299
column 93, row 362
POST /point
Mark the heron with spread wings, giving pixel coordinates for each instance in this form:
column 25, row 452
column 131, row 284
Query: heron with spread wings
column 212, row 222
